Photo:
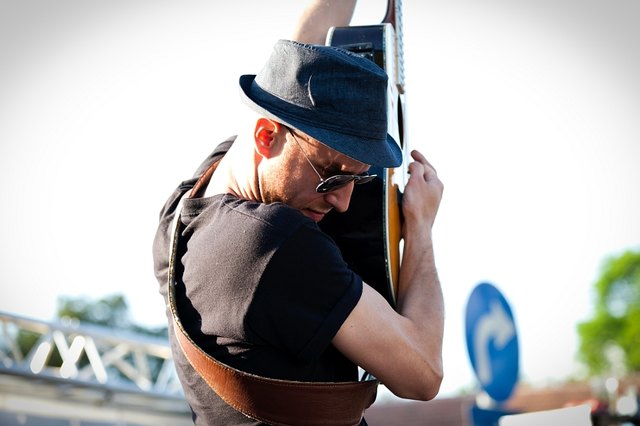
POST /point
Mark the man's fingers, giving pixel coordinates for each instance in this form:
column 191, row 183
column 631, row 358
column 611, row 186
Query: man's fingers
column 422, row 160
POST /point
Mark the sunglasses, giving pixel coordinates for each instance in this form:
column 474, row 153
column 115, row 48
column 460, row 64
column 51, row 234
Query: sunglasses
column 336, row 181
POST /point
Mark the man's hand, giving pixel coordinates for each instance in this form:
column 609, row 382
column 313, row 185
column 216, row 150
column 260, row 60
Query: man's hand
column 422, row 195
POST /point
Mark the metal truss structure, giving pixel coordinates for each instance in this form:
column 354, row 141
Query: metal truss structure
column 86, row 373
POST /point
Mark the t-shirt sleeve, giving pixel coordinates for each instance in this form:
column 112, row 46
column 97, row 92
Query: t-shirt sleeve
column 305, row 294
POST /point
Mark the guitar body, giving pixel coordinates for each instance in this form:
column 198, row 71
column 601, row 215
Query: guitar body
column 369, row 232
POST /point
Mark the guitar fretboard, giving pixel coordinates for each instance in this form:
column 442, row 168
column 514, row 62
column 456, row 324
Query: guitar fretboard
column 394, row 17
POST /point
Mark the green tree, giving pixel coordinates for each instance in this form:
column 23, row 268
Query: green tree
column 615, row 325
column 110, row 311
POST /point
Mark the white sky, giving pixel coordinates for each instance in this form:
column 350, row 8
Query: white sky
column 530, row 111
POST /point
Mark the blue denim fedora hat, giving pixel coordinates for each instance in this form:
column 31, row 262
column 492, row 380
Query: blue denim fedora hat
column 332, row 95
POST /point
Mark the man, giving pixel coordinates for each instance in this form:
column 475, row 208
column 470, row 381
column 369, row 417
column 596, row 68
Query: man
column 261, row 288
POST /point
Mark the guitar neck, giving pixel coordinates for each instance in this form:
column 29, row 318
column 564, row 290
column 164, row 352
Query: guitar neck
column 393, row 16
column 369, row 232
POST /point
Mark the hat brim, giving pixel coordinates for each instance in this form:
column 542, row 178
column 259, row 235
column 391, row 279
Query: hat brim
column 383, row 152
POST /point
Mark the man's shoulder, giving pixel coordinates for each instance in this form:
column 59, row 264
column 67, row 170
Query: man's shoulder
column 276, row 216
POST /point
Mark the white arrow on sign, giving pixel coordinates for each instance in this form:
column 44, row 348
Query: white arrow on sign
column 495, row 326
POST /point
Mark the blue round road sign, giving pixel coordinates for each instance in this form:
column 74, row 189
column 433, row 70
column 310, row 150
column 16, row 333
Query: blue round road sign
column 492, row 341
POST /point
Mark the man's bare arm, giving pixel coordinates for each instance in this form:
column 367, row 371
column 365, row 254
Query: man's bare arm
column 404, row 349
column 319, row 16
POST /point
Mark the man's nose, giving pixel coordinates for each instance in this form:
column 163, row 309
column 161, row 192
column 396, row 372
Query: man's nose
column 339, row 198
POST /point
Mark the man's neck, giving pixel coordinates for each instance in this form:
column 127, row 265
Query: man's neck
column 236, row 174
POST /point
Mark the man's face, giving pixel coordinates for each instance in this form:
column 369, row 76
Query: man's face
column 293, row 180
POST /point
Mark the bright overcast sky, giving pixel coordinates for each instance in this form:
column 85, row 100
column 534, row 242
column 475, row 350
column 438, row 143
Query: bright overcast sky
column 529, row 110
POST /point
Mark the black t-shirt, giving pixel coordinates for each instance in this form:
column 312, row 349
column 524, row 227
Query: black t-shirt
column 265, row 292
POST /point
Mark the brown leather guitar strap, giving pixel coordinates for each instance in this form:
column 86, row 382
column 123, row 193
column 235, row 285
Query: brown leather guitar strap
column 277, row 402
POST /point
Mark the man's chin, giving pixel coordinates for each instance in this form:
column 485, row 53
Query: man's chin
column 315, row 216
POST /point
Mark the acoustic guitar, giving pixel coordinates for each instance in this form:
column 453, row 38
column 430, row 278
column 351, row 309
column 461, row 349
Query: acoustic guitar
column 369, row 232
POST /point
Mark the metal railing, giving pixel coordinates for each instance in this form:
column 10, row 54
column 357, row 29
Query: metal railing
column 91, row 365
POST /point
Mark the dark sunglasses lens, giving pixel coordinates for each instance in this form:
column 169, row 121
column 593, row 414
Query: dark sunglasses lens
column 365, row 179
column 336, row 181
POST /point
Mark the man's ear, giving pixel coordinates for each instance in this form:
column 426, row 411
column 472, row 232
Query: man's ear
column 264, row 135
